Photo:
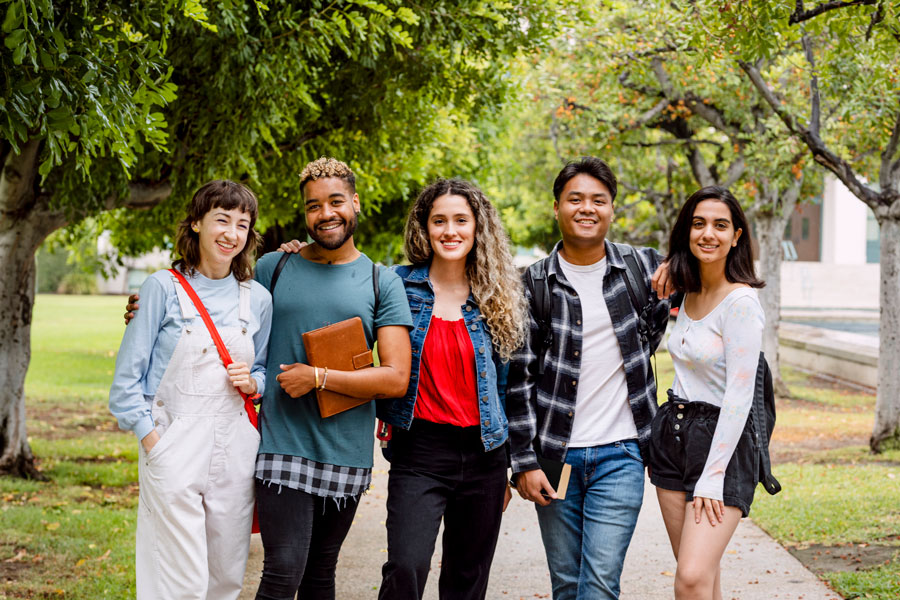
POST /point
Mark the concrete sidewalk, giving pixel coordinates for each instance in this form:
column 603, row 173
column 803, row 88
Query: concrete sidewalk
column 754, row 567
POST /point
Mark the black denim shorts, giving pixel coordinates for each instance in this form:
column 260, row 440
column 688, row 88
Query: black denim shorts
column 680, row 440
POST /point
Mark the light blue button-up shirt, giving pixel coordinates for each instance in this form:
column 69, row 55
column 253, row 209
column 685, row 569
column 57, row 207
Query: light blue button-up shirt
column 151, row 337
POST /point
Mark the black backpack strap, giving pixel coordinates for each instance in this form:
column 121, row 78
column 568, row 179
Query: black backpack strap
column 375, row 287
column 277, row 272
column 762, row 388
column 635, row 280
column 537, row 284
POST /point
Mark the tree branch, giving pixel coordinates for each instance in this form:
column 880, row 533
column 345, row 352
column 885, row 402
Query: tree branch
column 734, row 172
column 647, row 193
column 625, row 83
column 710, row 113
column 677, row 142
column 701, row 170
column 648, row 115
column 633, row 56
column 877, row 17
column 142, row 195
column 800, row 14
column 554, row 137
column 821, row 153
column 890, row 171
column 815, row 119
column 19, row 172
column 147, row 195
column 659, row 70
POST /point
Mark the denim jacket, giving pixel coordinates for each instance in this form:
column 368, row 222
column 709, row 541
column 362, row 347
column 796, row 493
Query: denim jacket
column 490, row 371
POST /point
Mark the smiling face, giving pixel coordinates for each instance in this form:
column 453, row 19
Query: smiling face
column 331, row 211
column 584, row 211
column 451, row 228
column 712, row 232
column 222, row 235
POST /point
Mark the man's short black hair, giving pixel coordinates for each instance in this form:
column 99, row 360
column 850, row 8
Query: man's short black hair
column 589, row 165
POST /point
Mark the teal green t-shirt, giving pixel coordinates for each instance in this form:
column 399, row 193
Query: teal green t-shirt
column 307, row 296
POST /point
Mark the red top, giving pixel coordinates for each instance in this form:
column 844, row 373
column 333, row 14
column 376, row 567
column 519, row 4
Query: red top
column 447, row 390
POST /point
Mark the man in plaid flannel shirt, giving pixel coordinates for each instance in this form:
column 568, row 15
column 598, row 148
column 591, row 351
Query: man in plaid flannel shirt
column 592, row 402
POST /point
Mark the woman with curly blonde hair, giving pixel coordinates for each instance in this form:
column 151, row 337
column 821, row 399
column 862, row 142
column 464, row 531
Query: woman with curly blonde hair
column 448, row 449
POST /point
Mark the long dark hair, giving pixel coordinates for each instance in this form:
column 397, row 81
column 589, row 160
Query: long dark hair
column 684, row 269
column 228, row 195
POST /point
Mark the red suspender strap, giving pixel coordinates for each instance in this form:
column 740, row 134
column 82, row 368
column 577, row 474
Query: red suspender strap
column 217, row 340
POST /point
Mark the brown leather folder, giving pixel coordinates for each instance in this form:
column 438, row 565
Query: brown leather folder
column 340, row 347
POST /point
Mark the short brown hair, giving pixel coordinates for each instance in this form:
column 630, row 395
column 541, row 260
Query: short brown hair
column 229, row 195
column 328, row 167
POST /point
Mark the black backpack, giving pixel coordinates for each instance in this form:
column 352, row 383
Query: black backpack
column 635, row 282
column 763, row 415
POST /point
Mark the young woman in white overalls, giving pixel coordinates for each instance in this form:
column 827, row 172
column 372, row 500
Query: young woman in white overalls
column 197, row 448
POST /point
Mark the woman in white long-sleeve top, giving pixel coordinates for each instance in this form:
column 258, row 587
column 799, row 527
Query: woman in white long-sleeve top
column 702, row 455
column 197, row 448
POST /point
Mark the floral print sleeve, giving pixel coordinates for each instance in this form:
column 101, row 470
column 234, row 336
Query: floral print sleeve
column 739, row 323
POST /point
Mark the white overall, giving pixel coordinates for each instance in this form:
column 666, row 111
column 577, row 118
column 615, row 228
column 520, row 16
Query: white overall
column 196, row 483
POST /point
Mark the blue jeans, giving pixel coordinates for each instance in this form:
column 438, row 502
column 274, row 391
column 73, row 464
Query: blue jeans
column 587, row 534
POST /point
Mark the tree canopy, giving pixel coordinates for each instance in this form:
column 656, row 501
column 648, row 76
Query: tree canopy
column 113, row 112
column 842, row 60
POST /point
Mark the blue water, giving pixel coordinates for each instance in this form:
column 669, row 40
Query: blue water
column 869, row 328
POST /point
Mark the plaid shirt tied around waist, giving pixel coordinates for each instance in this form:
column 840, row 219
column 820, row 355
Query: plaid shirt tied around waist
column 541, row 408
column 318, row 479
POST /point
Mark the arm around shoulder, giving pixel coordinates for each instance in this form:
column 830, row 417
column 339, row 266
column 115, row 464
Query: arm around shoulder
column 262, row 307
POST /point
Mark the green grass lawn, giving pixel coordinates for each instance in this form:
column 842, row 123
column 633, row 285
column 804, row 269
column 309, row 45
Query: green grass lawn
column 73, row 537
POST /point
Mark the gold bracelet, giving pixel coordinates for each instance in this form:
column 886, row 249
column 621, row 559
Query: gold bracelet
column 316, row 370
column 324, row 379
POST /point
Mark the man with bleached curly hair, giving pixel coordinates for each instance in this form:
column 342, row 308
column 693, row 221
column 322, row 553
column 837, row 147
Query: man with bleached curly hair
column 311, row 470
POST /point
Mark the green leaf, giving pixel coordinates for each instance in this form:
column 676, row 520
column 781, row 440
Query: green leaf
column 407, row 16
column 15, row 39
column 13, row 17
column 19, row 54
column 45, row 167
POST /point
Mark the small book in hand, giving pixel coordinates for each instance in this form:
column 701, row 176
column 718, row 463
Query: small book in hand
column 557, row 474
column 342, row 347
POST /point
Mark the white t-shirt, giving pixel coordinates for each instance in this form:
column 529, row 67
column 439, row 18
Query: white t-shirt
column 715, row 361
column 602, row 412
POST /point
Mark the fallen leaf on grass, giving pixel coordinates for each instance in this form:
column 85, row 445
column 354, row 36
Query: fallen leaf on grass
column 20, row 555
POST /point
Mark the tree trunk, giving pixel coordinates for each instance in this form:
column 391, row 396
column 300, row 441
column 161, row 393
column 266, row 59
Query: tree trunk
column 886, row 432
column 16, row 301
column 24, row 224
column 769, row 233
